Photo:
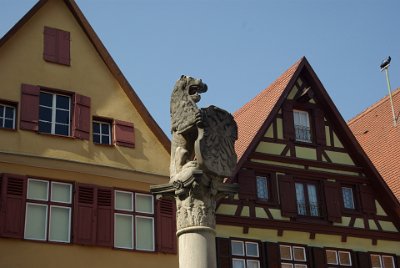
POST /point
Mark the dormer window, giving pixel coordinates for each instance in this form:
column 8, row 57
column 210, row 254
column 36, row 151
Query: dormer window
column 302, row 126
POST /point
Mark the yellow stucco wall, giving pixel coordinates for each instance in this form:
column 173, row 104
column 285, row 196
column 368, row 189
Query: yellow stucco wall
column 21, row 61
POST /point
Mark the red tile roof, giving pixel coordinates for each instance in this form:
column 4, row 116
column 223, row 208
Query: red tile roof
column 374, row 130
column 251, row 117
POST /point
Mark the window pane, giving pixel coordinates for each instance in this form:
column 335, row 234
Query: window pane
column 123, row 231
column 299, row 254
column 60, row 221
column 144, row 233
column 96, row 127
column 2, row 107
column 348, row 200
column 251, row 249
column 105, row 128
column 45, row 114
column 105, row 139
column 286, row 265
column 300, row 266
column 96, row 138
column 62, row 102
column 236, row 263
column 44, row 127
column 123, row 201
column 61, row 192
column 46, row 99
column 62, row 130
column 237, row 248
column 388, row 261
column 35, row 222
column 331, row 257
column 38, row 190
column 62, row 116
column 144, row 203
column 345, row 258
column 253, row 264
column 301, row 201
column 286, row 252
column 262, row 188
column 8, row 123
column 1, row 122
column 312, row 198
column 9, row 112
column 376, row 261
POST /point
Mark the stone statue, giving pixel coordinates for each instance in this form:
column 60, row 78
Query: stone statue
column 202, row 156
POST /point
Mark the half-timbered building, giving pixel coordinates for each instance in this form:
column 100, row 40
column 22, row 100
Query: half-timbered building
column 309, row 196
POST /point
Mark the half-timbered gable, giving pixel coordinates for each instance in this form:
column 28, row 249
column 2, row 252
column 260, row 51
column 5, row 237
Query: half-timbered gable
column 309, row 196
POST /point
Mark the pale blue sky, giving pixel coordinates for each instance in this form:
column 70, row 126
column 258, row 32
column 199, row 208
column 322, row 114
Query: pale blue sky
column 239, row 47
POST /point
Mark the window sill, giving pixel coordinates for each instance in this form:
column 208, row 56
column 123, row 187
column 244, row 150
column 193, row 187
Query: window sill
column 8, row 129
column 104, row 145
column 310, row 219
column 56, row 135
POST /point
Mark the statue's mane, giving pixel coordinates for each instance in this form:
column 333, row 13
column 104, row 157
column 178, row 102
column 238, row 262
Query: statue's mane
column 182, row 108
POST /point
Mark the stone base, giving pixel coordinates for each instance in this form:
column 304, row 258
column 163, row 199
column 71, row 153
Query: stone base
column 197, row 247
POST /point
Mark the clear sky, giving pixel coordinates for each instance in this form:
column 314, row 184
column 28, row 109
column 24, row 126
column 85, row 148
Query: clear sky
column 239, row 47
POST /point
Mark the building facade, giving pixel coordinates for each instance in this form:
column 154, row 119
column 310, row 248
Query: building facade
column 78, row 152
column 309, row 196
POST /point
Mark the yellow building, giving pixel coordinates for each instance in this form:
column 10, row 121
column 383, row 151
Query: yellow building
column 309, row 196
column 78, row 152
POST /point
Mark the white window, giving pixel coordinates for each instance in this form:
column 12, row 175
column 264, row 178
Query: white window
column 262, row 188
column 339, row 258
column 7, row 116
column 48, row 211
column 101, row 132
column 134, row 221
column 54, row 113
column 348, row 198
column 302, row 126
column 245, row 254
column 382, row 261
column 307, row 199
column 293, row 256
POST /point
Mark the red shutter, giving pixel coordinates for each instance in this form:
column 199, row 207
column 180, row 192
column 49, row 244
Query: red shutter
column 64, row 47
column 288, row 121
column 105, row 217
column 81, row 123
column 85, row 214
column 223, row 246
column 367, row 199
column 272, row 255
column 318, row 255
column 247, row 184
column 363, row 259
column 29, row 107
column 287, row 195
column 166, row 226
column 50, row 44
column 319, row 127
column 124, row 133
column 333, row 206
column 12, row 212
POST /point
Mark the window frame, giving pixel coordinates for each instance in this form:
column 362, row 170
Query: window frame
column 53, row 108
column 13, row 105
column 292, row 261
column 110, row 123
column 310, row 126
column 49, row 203
column 339, row 263
column 272, row 188
column 305, row 184
column 381, row 255
column 245, row 258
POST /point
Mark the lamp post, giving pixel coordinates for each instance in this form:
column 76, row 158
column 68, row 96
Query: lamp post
column 385, row 67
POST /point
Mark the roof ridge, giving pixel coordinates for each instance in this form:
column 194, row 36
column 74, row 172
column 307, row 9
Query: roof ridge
column 372, row 107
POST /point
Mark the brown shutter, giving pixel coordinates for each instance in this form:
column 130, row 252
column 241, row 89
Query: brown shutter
column 223, row 246
column 287, row 195
column 363, row 259
column 81, row 123
column 105, row 217
column 367, row 199
column 12, row 211
column 319, row 127
column 50, row 44
column 247, row 184
column 64, row 47
column 124, row 133
column 29, row 107
column 397, row 260
column 272, row 255
column 318, row 256
column 332, row 199
column 166, row 226
column 288, row 121
column 85, row 214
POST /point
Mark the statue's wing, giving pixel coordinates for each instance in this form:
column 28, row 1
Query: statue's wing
column 215, row 145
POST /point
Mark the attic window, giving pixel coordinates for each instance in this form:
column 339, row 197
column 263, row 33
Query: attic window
column 56, row 47
column 302, row 125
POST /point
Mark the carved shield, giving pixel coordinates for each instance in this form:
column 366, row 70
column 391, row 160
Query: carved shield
column 215, row 145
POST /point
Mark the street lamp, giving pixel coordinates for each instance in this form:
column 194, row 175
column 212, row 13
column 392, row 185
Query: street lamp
column 385, row 67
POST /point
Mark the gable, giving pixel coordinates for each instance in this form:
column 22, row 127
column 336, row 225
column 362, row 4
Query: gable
column 91, row 73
